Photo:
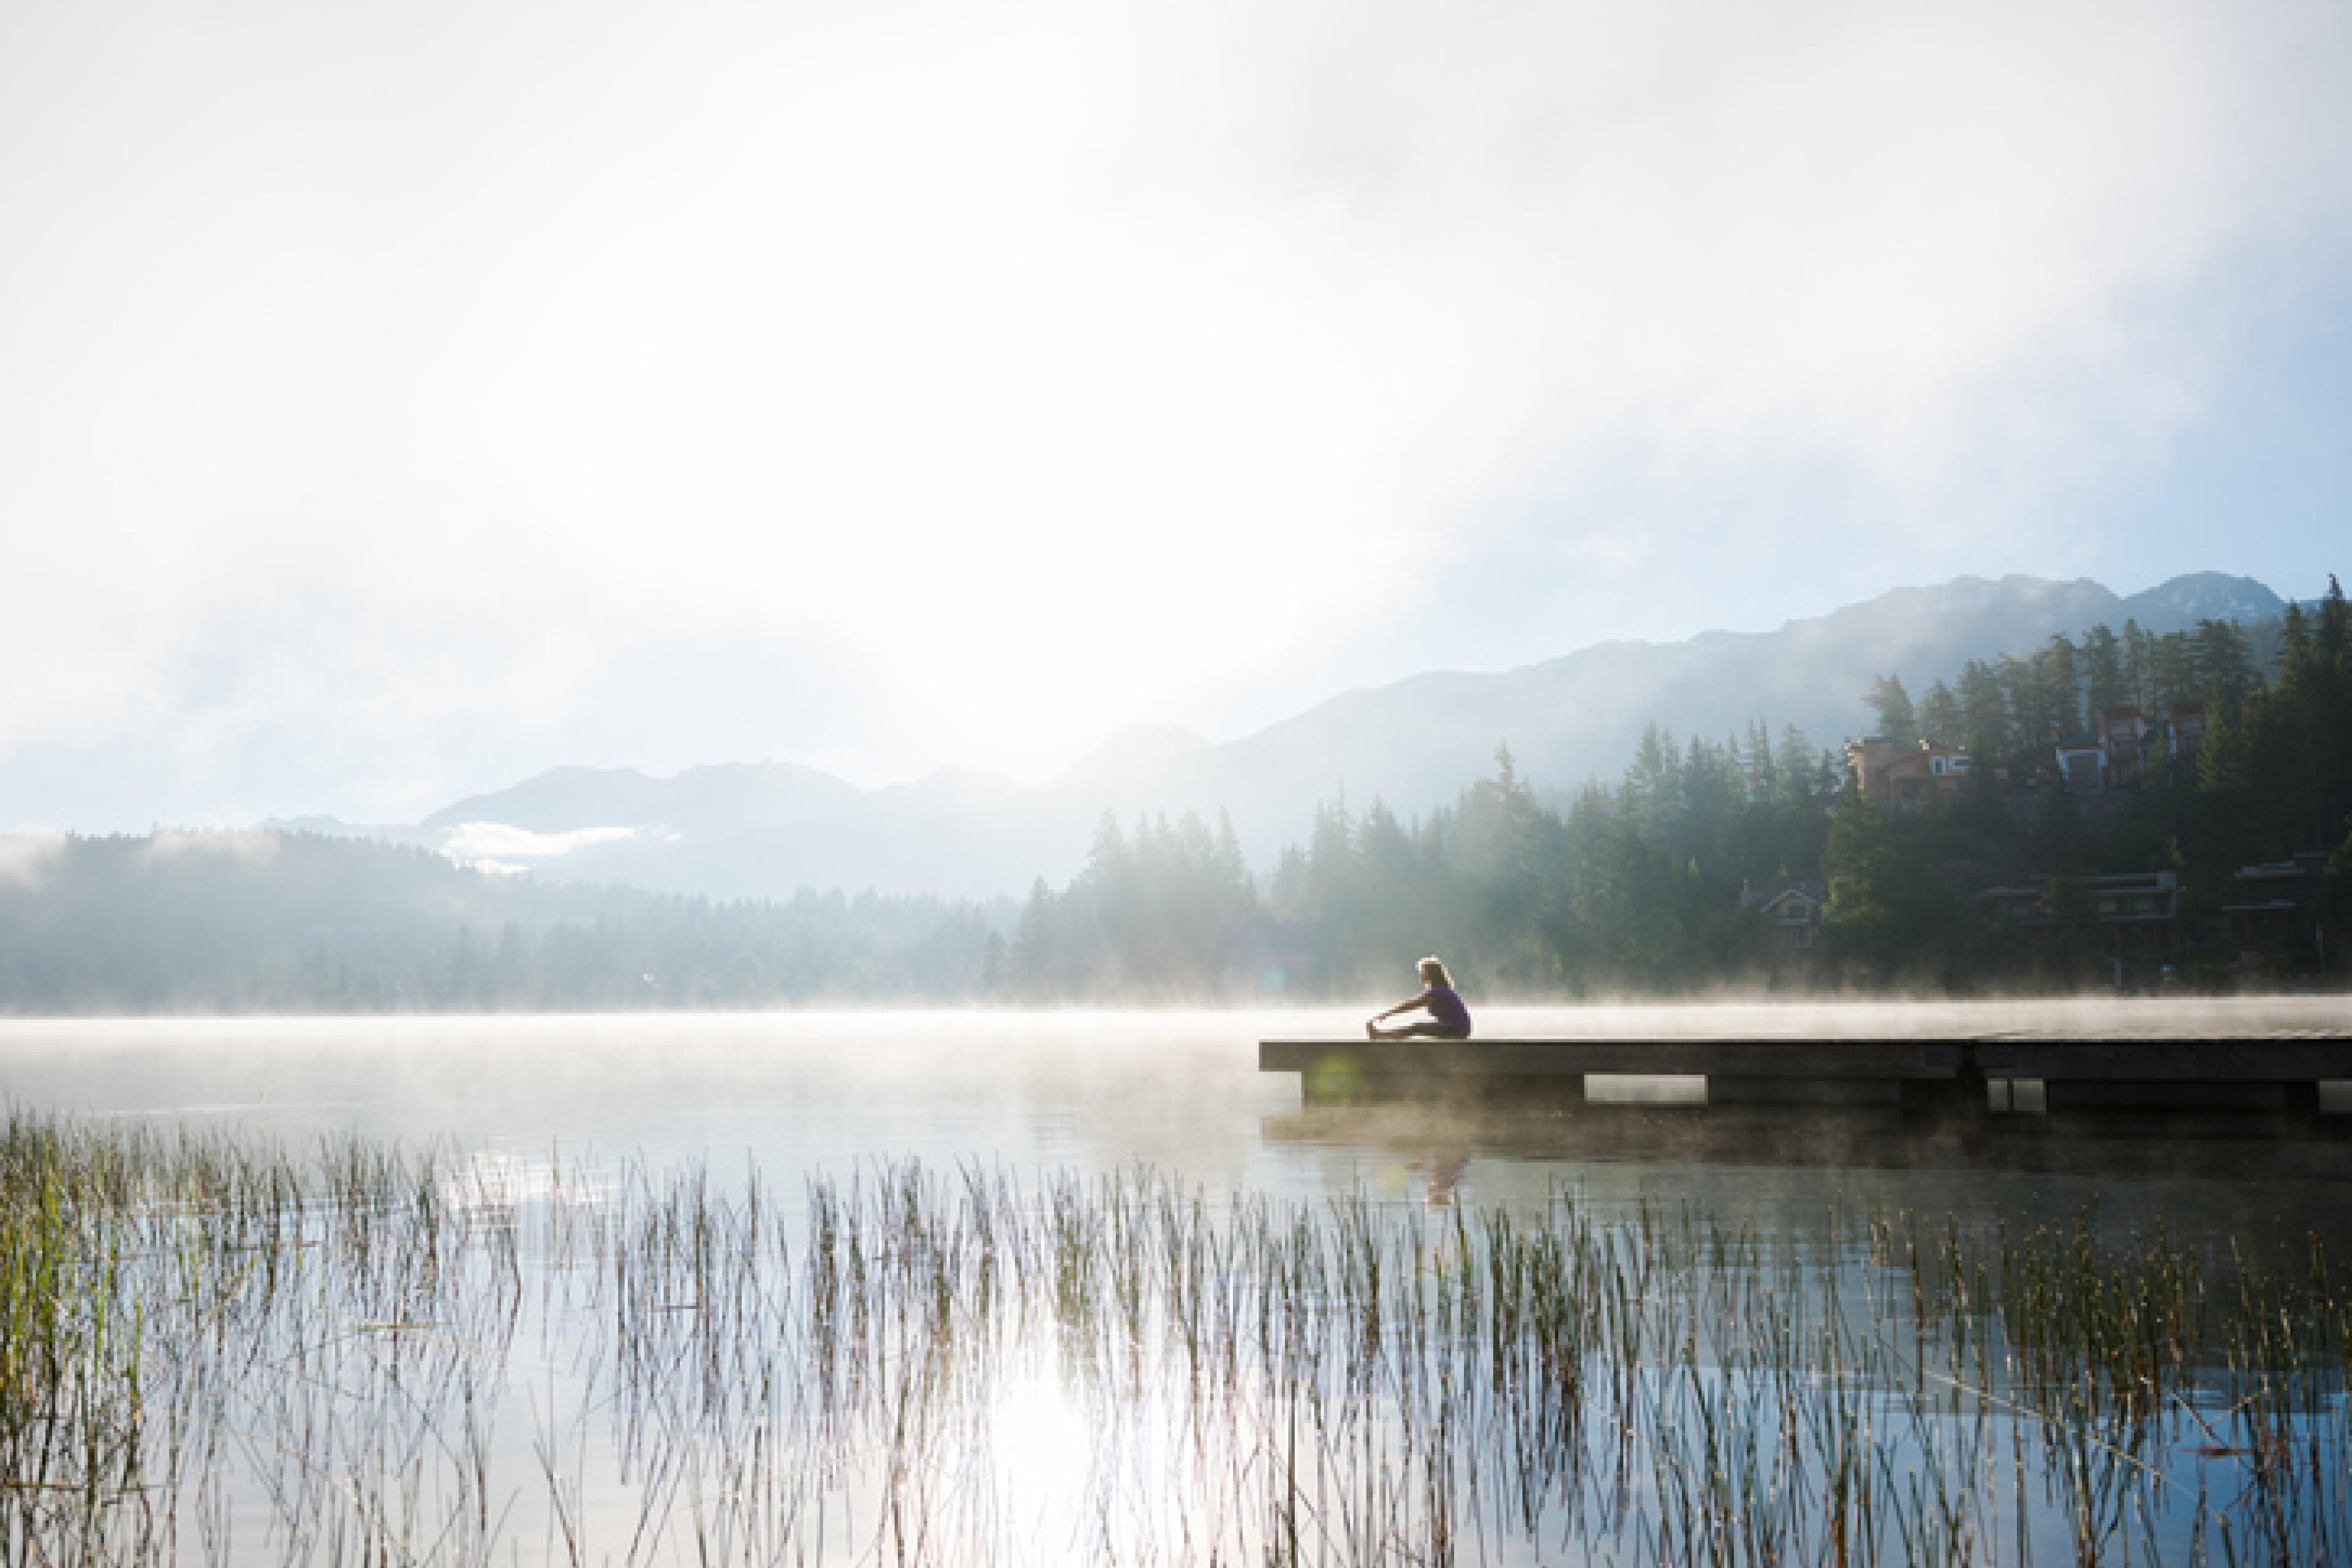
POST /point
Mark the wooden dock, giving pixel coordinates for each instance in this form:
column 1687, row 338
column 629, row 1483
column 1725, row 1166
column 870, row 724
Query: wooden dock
column 2301, row 1080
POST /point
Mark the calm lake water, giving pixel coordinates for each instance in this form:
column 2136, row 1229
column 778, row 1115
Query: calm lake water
column 799, row 1093
column 670, row 1289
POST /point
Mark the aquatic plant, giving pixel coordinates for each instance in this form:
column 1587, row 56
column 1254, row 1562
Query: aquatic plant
column 215, row 1349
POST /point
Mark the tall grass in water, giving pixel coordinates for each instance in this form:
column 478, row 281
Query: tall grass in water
column 215, row 1351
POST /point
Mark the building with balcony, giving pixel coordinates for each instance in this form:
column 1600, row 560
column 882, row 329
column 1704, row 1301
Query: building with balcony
column 2081, row 761
column 2278, row 902
column 2124, row 736
column 2185, row 725
column 1892, row 775
column 2146, row 901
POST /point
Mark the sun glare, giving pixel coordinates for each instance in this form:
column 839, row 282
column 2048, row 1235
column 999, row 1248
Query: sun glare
column 1042, row 1449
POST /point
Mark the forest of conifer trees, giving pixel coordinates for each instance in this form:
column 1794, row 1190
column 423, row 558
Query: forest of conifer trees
column 1656, row 884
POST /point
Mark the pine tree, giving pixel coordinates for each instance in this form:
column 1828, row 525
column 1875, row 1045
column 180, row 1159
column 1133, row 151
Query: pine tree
column 1985, row 715
column 2333, row 639
column 1656, row 778
column 1799, row 774
column 2103, row 672
column 1763, row 781
column 2136, row 676
column 1896, row 723
column 2222, row 757
column 1940, row 719
column 2171, row 671
column 1886, row 907
column 2032, row 713
column 2057, row 670
column 2224, row 662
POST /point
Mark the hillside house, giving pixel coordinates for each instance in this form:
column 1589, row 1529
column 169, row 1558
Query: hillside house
column 2142, row 908
column 2185, row 724
column 1795, row 913
column 2278, row 901
column 1868, row 760
column 2008, row 906
column 2081, row 761
column 2123, row 735
column 2118, row 753
column 1891, row 774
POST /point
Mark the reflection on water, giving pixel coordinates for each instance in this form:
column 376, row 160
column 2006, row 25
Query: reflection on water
column 789, row 1094
column 394, row 1357
column 673, row 1289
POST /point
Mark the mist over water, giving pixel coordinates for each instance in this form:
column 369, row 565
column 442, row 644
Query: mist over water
column 799, row 1094
column 1088, row 1286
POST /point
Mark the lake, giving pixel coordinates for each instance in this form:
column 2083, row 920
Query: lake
column 1070, row 1286
column 1090, row 1091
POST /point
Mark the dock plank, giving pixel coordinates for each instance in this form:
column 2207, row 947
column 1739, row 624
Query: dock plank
column 2296, row 1058
column 1908, row 1059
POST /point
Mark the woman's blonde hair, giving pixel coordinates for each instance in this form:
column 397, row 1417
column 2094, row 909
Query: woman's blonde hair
column 1433, row 971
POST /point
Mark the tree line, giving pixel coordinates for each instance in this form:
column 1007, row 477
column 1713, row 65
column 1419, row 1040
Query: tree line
column 1657, row 883
column 2004, row 708
column 1653, row 884
column 1634, row 887
column 301, row 923
column 2271, row 779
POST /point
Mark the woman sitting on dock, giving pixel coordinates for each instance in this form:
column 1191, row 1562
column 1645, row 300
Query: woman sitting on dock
column 1448, row 1018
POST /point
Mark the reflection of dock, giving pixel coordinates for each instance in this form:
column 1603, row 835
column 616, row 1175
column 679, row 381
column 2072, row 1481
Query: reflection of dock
column 2258, row 1084
column 1872, row 1140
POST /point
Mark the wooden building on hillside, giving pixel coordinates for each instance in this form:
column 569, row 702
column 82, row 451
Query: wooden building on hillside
column 2142, row 907
column 2278, row 901
column 2081, row 761
column 1795, row 913
column 2185, row 725
column 1892, row 775
column 2123, row 734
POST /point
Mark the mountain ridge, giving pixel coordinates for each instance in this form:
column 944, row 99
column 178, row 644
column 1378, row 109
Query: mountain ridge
column 748, row 830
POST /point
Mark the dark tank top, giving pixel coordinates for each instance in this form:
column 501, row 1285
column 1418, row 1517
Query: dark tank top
column 1445, row 1005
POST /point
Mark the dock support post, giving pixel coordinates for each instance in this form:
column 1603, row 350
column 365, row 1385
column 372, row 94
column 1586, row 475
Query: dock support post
column 1958, row 1103
column 2303, row 1113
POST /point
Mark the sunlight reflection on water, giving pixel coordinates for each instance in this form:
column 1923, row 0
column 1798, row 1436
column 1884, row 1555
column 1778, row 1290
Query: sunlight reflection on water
column 616, row 1341
column 792, row 1093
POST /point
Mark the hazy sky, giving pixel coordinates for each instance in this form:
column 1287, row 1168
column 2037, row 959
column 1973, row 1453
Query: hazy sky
column 395, row 400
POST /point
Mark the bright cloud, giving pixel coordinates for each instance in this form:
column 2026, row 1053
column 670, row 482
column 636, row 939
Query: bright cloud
column 393, row 400
column 496, row 843
column 25, row 857
column 247, row 848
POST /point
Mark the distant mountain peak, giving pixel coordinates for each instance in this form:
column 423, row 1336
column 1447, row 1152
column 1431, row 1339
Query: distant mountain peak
column 762, row 829
column 715, row 798
column 2181, row 601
